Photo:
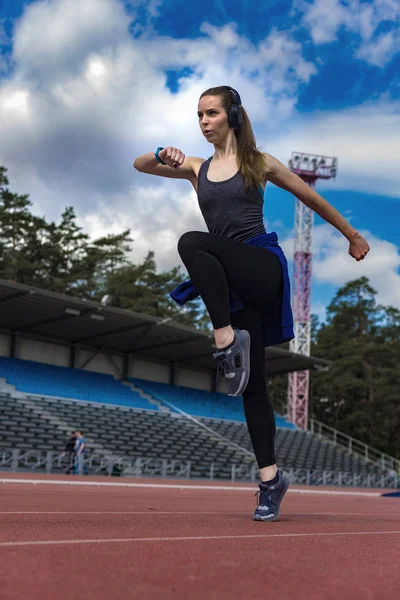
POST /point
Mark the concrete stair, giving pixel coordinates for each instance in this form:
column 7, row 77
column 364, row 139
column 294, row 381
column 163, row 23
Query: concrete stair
column 162, row 408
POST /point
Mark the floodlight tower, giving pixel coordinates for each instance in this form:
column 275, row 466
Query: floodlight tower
column 309, row 167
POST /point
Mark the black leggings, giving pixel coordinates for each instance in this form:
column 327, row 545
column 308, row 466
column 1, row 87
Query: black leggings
column 216, row 263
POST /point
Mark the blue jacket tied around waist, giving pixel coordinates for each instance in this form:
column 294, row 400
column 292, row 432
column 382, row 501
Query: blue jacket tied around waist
column 274, row 332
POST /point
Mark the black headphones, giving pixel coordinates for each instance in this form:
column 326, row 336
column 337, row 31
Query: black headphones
column 235, row 113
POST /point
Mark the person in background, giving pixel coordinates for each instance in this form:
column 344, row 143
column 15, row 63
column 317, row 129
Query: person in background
column 69, row 452
column 80, row 449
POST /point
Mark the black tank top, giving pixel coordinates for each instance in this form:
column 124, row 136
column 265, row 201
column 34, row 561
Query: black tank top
column 228, row 208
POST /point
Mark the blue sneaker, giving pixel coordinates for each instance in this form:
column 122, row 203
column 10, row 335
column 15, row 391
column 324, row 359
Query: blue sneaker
column 234, row 363
column 270, row 498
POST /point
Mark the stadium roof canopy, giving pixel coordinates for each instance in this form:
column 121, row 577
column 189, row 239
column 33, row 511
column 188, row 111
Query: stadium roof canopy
column 40, row 314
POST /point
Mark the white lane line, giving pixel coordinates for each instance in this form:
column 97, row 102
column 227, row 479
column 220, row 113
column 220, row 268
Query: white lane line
column 182, row 512
column 190, row 538
column 185, row 487
column 122, row 512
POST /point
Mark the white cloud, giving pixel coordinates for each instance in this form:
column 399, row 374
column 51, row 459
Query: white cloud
column 86, row 98
column 380, row 51
column 332, row 263
column 157, row 215
column 53, row 37
column 322, row 18
column 149, row 12
column 364, row 138
column 4, row 39
column 325, row 18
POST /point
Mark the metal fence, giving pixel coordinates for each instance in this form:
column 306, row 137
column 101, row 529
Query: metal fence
column 53, row 462
column 15, row 460
column 329, row 478
column 353, row 446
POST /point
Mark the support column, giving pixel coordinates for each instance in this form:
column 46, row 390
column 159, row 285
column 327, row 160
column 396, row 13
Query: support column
column 214, row 380
column 126, row 366
column 74, row 356
column 15, row 344
column 172, row 373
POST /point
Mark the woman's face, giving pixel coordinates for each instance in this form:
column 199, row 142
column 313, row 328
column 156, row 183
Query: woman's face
column 213, row 119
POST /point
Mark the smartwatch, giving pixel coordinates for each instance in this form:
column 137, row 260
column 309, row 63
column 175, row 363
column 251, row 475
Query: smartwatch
column 156, row 154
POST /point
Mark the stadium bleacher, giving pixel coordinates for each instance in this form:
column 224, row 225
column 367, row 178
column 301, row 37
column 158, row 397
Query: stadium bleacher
column 62, row 382
column 123, row 422
column 201, row 403
column 54, row 381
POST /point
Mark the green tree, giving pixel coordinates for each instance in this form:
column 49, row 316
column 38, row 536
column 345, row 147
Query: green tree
column 61, row 258
column 65, row 264
column 142, row 289
column 359, row 394
column 22, row 235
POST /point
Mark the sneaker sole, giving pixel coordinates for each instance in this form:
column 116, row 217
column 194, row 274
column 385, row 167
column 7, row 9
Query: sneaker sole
column 247, row 342
column 276, row 515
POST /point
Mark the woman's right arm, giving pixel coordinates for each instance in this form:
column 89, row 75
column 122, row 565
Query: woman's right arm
column 177, row 165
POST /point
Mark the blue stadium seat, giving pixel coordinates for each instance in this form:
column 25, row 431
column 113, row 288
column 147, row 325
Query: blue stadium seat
column 50, row 380
column 201, row 403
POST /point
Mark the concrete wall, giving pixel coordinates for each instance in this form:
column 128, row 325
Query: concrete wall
column 44, row 352
column 149, row 370
column 194, row 379
column 90, row 360
column 100, row 363
column 160, row 372
column 221, row 385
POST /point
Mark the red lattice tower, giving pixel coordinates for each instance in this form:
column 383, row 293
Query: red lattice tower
column 309, row 167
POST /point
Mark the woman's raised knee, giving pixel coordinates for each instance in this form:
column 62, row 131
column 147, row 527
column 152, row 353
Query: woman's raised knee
column 190, row 241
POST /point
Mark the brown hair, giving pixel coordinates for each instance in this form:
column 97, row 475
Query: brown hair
column 251, row 161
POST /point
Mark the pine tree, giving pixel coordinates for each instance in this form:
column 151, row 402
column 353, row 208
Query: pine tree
column 360, row 392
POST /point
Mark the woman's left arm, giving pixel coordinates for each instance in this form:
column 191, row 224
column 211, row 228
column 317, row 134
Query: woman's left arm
column 281, row 176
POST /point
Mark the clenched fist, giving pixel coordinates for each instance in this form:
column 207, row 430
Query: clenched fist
column 359, row 247
column 173, row 157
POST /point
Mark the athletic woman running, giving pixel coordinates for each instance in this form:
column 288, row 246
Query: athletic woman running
column 238, row 269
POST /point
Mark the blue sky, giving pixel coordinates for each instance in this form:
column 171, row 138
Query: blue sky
column 89, row 86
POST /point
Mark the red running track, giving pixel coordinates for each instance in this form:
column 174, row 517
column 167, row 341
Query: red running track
column 116, row 542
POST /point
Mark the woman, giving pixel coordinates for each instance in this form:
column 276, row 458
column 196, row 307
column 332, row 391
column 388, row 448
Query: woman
column 238, row 269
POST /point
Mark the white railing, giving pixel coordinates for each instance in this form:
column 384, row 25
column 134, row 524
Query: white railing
column 48, row 461
column 15, row 460
column 353, row 446
column 315, row 477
